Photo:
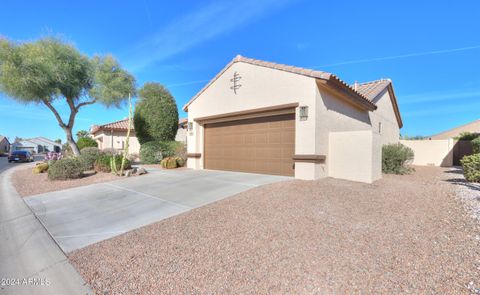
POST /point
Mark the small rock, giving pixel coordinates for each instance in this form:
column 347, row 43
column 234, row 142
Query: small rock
column 141, row 171
column 128, row 173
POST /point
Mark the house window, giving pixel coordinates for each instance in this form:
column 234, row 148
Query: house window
column 380, row 127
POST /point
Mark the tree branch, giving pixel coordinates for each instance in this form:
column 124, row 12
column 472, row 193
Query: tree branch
column 57, row 115
column 85, row 103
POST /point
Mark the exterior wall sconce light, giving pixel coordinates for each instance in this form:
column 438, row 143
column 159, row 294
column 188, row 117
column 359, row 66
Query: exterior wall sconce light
column 303, row 113
column 190, row 126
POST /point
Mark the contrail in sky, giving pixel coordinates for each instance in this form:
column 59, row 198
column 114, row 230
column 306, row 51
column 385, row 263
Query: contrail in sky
column 399, row 56
column 433, row 52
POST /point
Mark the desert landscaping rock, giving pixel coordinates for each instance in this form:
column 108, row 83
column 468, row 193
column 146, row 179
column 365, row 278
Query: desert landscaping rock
column 402, row 234
column 28, row 184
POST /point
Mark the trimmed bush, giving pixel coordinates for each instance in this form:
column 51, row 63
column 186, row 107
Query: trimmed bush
column 169, row 163
column 85, row 142
column 154, row 151
column 395, row 157
column 102, row 164
column 180, row 161
column 68, row 168
column 471, row 167
column 476, row 145
column 156, row 114
column 40, row 168
column 88, row 156
column 150, row 153
column 467, row 136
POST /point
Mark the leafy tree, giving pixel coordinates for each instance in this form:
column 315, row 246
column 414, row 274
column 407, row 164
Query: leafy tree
column 49, row 70
column 156, row 114
column 84, row 142
column 59, row 141
column 82, row 133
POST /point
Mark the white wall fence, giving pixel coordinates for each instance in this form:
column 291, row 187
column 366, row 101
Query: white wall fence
column 431, row 152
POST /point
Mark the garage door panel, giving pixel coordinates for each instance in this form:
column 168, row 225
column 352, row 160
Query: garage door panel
column 259, row 145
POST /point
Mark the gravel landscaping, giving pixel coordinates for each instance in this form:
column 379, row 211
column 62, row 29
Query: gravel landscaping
column 402, row 234
column 28, row 184
column 467, row 192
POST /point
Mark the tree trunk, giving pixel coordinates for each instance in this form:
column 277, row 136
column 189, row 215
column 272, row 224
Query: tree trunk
column 72, row 142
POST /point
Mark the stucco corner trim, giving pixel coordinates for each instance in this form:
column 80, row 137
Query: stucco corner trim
column 194, row 155
column 309, row 158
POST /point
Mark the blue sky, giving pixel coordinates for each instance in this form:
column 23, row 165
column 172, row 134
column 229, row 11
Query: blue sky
column 431, row 50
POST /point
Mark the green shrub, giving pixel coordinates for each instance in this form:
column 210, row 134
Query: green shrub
column 169, row 163
column 86, row 142
column 471, row 167
column 102, row 164
column 88, row 156
column 467, row 136
column 40, row 168
column 156, row 114
column 154, row 151
column 476, row 145
column 180, row 161
column 68, row 168
column 394, row 158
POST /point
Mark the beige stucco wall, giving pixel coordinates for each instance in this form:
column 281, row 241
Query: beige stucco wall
column 181, row 135
column 265, row 87
column 355, row 155
column 116, row 140
column 431, row 152
column 261, row 87
column 334, row 115
column 385, row 114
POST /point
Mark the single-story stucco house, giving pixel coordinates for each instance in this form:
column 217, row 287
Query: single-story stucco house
column 4, row 145
column 37, row 145
column 263, row 117
column 113, row 135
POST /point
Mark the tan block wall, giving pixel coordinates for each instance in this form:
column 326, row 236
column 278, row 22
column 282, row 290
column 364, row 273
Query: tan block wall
column 355, row 155
column 431, row 152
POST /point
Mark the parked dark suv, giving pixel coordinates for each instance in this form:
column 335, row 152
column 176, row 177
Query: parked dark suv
column 20, row 156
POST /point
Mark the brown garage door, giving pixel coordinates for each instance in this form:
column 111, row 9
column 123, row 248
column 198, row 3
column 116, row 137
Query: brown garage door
column 259, row 145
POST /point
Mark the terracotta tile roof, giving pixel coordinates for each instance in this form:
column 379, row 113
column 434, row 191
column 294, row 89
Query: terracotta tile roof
column 121, row 125
column 371, row 89
column 356, row 96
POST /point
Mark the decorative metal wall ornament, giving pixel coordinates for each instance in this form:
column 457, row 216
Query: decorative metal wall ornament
column 234, row 80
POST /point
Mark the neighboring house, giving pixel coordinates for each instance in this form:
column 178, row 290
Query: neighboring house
column 4, row 145
column 46, row 145
column 472, row 127
column 263, row 117
column 37, row 145
column 113, row 135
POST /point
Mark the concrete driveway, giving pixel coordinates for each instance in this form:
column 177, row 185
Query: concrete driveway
column 82, row 216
